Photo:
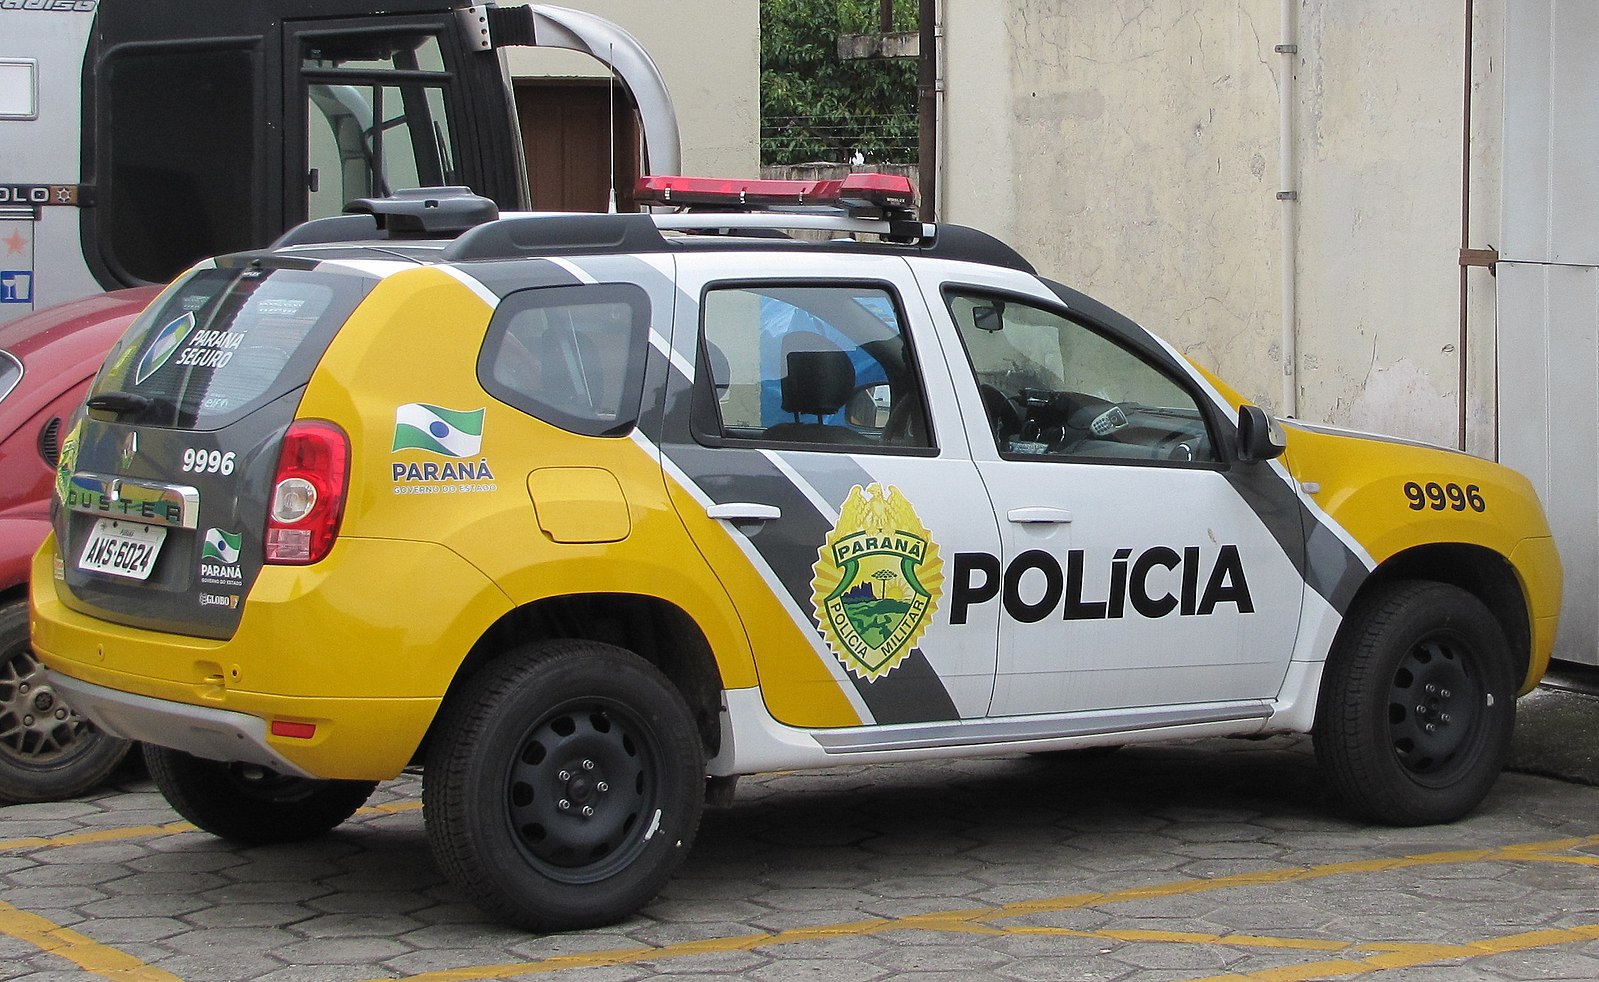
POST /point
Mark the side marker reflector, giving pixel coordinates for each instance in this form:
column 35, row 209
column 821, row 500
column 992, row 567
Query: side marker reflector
column 289, row 728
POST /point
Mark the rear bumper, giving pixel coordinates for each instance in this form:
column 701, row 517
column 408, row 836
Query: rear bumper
column 216, row 734
column 354, row 653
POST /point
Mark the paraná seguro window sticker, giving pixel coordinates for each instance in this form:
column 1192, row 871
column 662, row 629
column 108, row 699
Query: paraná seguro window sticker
column 222, row 342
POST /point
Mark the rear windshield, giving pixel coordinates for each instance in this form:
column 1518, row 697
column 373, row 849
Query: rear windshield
column 223, row 342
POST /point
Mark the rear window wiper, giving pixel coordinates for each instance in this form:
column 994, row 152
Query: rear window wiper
column 126, row 403
column 120, row 402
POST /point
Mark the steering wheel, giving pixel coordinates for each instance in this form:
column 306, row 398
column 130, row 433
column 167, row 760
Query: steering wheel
column 1003, row 415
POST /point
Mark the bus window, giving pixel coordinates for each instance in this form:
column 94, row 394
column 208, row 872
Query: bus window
column 375, row 118
column 181, row 169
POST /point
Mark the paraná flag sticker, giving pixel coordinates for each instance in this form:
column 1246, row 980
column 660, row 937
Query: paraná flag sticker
column 448, row 432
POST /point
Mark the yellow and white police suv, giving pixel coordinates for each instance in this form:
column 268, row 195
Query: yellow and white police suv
column 580, row 511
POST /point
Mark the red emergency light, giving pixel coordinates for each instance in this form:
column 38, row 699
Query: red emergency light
column 886, row 193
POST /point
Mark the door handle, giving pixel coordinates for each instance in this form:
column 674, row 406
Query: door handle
column 1039, row 515
column 744, row 511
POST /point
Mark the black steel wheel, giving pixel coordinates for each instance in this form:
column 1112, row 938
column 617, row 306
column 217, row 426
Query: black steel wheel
column 1417, row 704
column 563, row 785
column 47, row 751
column 251, row 804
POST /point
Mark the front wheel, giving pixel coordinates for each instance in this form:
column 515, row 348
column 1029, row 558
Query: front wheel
column 250, row 804
column 1417, row 705
column 47, row 751
column 563, row 785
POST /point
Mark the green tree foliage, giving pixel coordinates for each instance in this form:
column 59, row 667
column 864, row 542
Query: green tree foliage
column 816, row 107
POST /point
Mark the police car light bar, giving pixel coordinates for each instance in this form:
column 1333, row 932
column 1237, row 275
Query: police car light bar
column 887, row 195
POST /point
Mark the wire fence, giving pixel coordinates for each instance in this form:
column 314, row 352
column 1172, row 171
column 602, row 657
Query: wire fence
column 879, row 138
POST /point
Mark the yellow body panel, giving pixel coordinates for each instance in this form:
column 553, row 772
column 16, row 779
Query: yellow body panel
column 579, row 504
column 317, row 643
column 389, row 352
column 415, row 578
column 1361, row 485
column 796, row 684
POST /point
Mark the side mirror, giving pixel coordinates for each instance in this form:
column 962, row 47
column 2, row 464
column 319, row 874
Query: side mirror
column 1259, row 436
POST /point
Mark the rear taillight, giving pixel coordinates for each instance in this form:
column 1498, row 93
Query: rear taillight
column 307, row 493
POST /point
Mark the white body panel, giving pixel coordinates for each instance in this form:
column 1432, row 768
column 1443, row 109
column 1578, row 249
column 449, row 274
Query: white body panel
column 944, row 490
column 1060, row 665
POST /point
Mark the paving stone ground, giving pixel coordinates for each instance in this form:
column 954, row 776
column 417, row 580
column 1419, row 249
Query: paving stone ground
column 1220, row 858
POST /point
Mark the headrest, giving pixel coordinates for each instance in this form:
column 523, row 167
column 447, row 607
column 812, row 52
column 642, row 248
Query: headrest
column 817, row 382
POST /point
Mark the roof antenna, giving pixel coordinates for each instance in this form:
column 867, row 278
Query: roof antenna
column 610, row 64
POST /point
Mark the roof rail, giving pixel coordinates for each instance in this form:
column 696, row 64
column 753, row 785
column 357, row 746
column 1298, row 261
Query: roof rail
column 575, row 234
column 338, row 228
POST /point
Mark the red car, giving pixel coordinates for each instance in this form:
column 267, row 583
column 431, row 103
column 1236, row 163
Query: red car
column 47, row 359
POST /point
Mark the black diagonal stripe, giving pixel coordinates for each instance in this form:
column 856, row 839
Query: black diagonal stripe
column 913, row 691
column 504, row 279
column 1323, row 560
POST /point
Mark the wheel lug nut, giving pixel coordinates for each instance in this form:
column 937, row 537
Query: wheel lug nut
column 565, row 775
column 588, row 812
column 1431, row 689
column 1421, row 710
column 588, row 765
column 602, row 787
column 1432, row 728
column 1443, row 718
column 27, row 721
column 61, row 714
column 1443, row 694
column 564, row 805
column 23, row 687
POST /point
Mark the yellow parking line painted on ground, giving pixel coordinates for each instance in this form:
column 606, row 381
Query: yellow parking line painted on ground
column 979, row 920
column 1412, row 956
column 86, row 953
column 150, row 831
column 101, row 835
column 1187, row 937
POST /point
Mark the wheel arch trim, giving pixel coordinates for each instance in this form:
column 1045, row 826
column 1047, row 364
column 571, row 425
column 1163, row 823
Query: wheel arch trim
column 657, row 630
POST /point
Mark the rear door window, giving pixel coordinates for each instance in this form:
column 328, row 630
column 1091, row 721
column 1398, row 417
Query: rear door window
column 223, row 342
column 572, row 356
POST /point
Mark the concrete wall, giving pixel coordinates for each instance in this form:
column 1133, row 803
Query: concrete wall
column 1132, row 150
column 708, row 52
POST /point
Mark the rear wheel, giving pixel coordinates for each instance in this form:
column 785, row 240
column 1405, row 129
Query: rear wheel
column 563, row 785
column 1417, row 705
column 251, row 804
column 47, row 751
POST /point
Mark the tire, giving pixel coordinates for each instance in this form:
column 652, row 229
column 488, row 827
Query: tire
column 1417, row 705
column 249, row 804
column 47, row 751
column 530, row 742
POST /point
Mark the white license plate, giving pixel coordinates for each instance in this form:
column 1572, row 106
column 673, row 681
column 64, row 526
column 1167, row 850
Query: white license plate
column 122, row 548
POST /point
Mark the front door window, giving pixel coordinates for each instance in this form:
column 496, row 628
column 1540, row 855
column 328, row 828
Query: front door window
column 1053, row 389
